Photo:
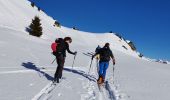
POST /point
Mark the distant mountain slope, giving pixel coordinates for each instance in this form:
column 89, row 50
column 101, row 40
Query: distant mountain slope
column 16, row 15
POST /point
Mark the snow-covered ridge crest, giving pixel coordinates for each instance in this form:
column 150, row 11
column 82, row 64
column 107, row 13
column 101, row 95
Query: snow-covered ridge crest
column 19, row 13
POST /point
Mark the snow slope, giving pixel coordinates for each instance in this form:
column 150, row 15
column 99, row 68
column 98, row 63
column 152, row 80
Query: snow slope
column 26, row 69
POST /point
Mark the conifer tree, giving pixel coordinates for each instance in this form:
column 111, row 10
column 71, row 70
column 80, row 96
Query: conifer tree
column 32, row 4
column 35, row 27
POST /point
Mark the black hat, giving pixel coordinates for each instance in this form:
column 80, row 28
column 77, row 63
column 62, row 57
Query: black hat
column 107, row 45
column 68, row 39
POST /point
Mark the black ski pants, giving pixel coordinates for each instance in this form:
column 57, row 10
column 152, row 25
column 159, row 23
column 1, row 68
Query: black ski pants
column 60, row 61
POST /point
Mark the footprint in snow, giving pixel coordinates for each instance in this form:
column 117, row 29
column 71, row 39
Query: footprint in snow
column 31, row 84
column 59, row 94
column 80, row 79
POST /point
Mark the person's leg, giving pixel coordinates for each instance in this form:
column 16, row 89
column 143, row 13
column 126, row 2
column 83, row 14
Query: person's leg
column 106, row 65
column 101, row 66
column 60, row 62
column 57, row 69
column 62, row 67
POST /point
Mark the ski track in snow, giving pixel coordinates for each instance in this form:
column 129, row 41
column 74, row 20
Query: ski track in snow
column 92, row 91
column 110, row 91
column 104, row 93
column 107, row 92
column 91, row 94
column 45, row 93
column 23, row 71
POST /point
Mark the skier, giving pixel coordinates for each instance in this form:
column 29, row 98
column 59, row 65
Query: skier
column 105, row 54
column 62, row 46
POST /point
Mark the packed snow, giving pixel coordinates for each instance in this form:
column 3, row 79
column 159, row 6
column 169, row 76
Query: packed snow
column 26, row 71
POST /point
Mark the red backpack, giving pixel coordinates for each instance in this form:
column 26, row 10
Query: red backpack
column 53, row 47
column 58, row 45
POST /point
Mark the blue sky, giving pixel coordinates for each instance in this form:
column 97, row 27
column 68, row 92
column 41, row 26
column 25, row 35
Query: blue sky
column 145, row 22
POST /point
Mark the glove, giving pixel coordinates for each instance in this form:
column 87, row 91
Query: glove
column 92, row 57
column 113, row 61
column 75, row 53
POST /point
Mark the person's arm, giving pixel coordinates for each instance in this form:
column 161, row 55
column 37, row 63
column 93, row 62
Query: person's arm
column 68, row 50
column 93, row 56
column 96, row 53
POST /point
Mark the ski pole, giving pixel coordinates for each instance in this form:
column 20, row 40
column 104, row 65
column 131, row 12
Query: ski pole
column 74, row 60
column 97, row 65
column 90, row 65
column 113, row 70
column 53, row 61
column 89, row 55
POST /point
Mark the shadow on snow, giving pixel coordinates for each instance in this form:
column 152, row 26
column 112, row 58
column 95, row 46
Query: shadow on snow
column 82, row 73
column 30, row 65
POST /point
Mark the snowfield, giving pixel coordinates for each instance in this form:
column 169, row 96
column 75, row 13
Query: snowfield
column 26, row 70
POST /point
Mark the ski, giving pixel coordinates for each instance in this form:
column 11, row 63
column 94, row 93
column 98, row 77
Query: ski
column 100, row 86
column 46, row 91
column 53, row 85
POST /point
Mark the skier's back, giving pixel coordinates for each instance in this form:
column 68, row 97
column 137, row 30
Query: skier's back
column 105, row 55
column 62, row 47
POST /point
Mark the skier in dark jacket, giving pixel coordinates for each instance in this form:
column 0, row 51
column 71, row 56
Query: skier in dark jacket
column 105, row 54
column 62, row 47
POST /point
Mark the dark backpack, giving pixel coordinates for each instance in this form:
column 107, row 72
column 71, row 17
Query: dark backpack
column 105, row 54
column 97, row 49
column 60, row 45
